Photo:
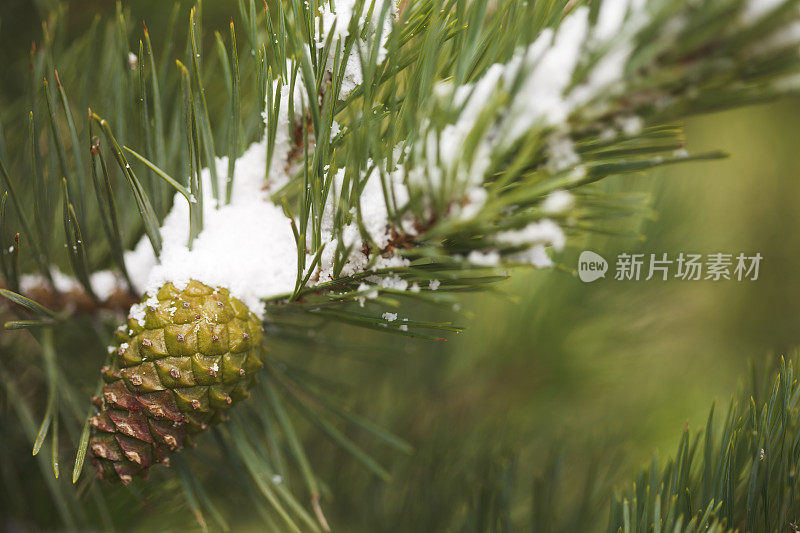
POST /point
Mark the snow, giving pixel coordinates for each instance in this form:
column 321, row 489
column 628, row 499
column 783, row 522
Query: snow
column 393, row 283
column 561, row 153
column 152, row 302
column 535, row 256
column 137, row 313
column 278, row 171
column 106, row 283
column 473, row 98
column 608, row 71
column 62, row 282
column 617, row 23
column 374, row 218
column 557, row 202
column 30, row 282
column 610, row 19
column 337, row 23
column 551, row 61
column 368, row 293
column 631, row 125
column 612, row 16
column 544, row 231
column 544, row 71
column 488, row 259
column 787, row 36
column 755, row 9
column 475, row 199
column 607, row 134
column 373, row 207
column 389, row 317
column 546, row 96
column 248, row 245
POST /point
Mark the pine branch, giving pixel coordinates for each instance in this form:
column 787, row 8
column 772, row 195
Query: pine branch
column 416, row 154
column 611, row 114
column 610, row 111
column 736, row 475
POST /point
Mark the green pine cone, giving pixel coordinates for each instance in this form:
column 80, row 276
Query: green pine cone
column 179, row 364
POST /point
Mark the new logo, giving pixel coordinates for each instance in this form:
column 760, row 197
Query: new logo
column 591, row 266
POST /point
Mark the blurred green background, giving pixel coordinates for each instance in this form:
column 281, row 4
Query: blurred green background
column 599, row 375
column 610, row 372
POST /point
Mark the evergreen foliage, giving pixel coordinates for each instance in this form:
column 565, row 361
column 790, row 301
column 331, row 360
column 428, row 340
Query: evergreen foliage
column 466, row 97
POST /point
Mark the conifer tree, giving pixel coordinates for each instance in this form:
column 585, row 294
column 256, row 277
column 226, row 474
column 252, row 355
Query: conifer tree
column 181, row 207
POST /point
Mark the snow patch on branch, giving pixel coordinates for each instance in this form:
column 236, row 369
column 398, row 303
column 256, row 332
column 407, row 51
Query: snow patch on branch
column 543, row 232
column 534, row 238
column 561, row 153
column 248, row 246
column 557, row 202
column 488, row 259
column 280, row 167
column 539, row 80
column 755, row 9
column 373, row 215
column 105, row 284
column 612, row 15
column 549, row 64
column 335, row 23
column 788, row 36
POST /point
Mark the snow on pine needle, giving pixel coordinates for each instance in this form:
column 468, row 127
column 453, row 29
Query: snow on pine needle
column 361, row 186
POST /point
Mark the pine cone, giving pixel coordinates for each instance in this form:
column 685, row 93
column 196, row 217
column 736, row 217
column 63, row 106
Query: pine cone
column 183, row 358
